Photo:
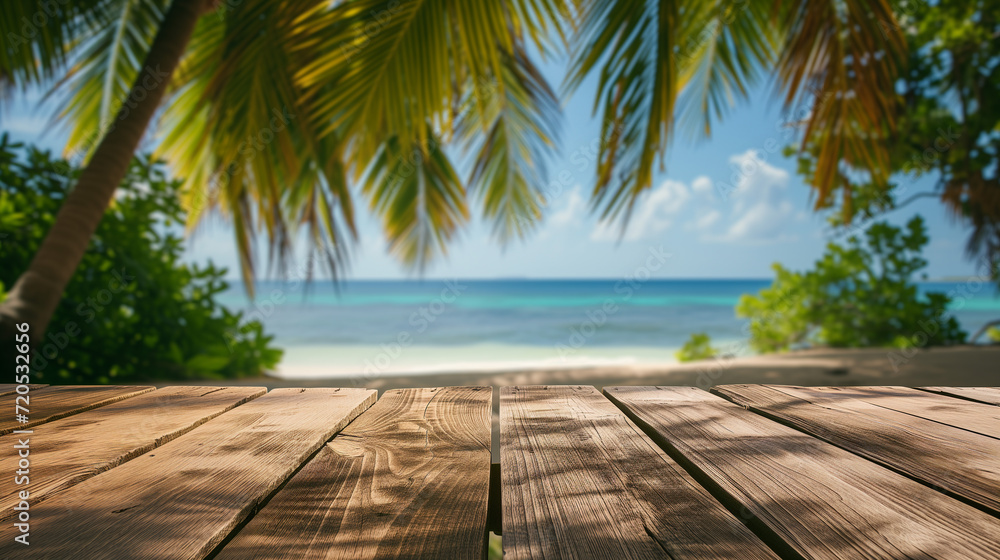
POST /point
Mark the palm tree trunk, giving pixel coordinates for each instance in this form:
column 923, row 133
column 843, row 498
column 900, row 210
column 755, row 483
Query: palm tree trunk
column 36, row 294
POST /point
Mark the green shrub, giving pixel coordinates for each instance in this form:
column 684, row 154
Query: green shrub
column 698, row 347
column 858, row 294
column 993, row 333
column 133, row 310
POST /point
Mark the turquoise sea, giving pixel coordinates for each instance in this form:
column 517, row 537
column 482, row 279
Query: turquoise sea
column 383, row 327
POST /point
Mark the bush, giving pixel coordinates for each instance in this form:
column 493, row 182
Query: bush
column 858, row 295
column 698, row 347
column 133, row 310
column 993, row 333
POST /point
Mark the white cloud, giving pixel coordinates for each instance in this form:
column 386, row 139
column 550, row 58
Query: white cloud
column 605, row 231
column 572, row 212
column 761, row 209
column 654, row 214
column 707, row 220
column 702, row 186
column 754, row 209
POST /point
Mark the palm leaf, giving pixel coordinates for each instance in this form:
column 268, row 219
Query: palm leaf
column 39, row 37
column 237, row 130
column 843, row 58
column 420, row 198
column 655, row 57
column 521, row 124
column 110, row 58
column 730, row 46
column 633, row 42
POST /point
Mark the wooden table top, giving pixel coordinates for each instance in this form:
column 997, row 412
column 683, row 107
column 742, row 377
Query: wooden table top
column 741, row 472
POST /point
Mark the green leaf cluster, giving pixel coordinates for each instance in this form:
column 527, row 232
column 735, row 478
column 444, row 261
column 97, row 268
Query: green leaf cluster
column 858, row 294
column 133, row 311
column 993, row 334
column 698, row 347
column 947, row 127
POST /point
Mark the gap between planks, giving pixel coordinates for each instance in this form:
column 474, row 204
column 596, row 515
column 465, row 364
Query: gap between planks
column 59, row 401
column 68, row 451
column 960, row 463
column 823, row 501
column 181, row 500
column 408, row 478
column 580, row 480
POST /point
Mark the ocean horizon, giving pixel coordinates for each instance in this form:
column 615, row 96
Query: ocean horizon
column 393, row 327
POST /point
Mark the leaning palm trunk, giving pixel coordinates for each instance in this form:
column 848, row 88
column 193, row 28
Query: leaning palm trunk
column 36, row 294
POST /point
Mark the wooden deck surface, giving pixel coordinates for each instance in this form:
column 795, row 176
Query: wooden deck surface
column 743, row 472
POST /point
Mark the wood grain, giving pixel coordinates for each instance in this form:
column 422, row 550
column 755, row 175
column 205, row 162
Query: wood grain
column 181, row 500
column 408, row 479
column 581, row 481
column 989, row 395
column 52, row 403
column 955, row 461
column 974, row 417
column 8, row 388
column 824, row 502
column 68, row 451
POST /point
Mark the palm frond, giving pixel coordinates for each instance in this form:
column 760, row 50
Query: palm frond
column 420, row 198
column 655, row 58
column 387, row 68
column 730, row 45
column 633, row 43
column 110, row 58
column 236, row 129
column 39, row 37
column 508, row 171
column 843, row 58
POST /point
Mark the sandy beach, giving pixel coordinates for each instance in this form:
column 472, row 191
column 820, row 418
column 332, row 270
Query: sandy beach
column 956, row 366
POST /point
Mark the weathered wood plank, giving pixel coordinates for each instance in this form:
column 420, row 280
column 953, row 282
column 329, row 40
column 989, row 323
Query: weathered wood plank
column 408, row 478
column 8, row 388
column 958, row 462
column 989, row 395
column 974, row 417
column 68, row 451
column 581, row 481
column 52, row 403
column 823, row 501
column 181, row 500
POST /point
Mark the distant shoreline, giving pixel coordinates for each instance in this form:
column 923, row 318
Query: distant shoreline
column 952, row 366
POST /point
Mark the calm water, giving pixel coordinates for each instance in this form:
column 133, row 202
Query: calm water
column 410, row 326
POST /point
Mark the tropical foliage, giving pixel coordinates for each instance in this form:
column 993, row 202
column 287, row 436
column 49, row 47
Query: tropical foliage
column 657, row 58
column 947, row 127
column 860, row 293
column 698, row 347
column 134, row 310
column 278, row 107
column 994, row 335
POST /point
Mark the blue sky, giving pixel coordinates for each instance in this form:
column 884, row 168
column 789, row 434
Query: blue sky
column 709, row 230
